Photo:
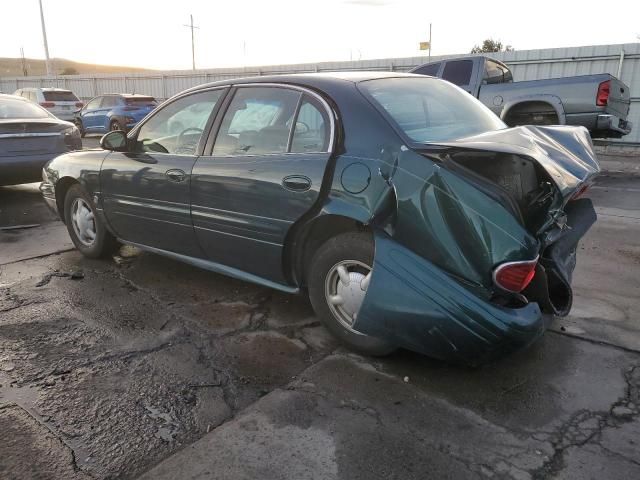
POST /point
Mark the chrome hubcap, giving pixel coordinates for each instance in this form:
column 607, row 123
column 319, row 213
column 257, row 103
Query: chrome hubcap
column 83, row 222
column 345, row 288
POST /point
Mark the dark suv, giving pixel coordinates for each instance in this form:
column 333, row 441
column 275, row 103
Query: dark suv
column 113, row 112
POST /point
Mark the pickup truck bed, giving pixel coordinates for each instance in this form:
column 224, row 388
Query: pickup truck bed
column 598, row 102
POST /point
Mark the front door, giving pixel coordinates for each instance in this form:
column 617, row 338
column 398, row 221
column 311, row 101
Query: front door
column 146, row 191
column 264, row 173
column 89, row 112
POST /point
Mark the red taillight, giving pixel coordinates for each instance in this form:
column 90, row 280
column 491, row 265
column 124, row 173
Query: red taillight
column 79, row 104
column 47, row 104
column 515, row 276
column 604, row 89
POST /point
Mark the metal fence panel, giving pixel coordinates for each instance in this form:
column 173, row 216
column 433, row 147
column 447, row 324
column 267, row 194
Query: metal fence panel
column 526, row 65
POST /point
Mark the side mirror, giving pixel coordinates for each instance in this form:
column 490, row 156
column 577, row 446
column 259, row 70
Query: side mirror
column 116, row 141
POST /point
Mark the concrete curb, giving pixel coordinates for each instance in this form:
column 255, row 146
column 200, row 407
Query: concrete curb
column 620, row 163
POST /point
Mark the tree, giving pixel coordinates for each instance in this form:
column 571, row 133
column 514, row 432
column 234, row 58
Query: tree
column 491, row 45
column 69, row 71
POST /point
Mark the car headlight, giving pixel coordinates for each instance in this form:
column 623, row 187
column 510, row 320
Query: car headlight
column 72, row 132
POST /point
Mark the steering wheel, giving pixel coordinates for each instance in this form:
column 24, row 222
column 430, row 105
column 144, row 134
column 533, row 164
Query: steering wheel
column 302, row 128
column 183, row 146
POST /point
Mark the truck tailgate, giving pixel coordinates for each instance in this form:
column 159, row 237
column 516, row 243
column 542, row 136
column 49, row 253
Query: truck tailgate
column 619, row 99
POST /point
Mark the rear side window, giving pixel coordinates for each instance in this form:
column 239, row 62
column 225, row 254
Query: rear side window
column 258, row 121
column 496, row 73
column 458, row 72
column 428, row 69
column 60, row 96
column 140, row 101
column 311, row 132
column 108, row 102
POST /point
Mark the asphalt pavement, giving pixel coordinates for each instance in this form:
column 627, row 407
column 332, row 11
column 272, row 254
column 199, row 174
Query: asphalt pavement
column 137, row 366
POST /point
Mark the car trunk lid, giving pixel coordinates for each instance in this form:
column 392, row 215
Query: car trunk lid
column 564, row 153
column 30, row 137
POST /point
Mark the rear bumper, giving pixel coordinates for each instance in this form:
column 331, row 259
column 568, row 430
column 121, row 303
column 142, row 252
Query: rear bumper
column 615, row 125
column 412, row 303
column 24, row 169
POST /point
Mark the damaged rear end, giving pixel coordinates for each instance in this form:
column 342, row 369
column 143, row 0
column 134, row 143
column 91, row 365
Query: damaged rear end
column 477, row 246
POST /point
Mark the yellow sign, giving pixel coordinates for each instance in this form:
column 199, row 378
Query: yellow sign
column 424, row 46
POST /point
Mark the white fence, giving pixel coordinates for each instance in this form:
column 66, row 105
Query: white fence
column 621, row 60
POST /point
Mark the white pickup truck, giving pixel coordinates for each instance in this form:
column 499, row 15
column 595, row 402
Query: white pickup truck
column 598, row 102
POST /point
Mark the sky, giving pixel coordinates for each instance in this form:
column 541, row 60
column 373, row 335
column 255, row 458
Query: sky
column 235, row 33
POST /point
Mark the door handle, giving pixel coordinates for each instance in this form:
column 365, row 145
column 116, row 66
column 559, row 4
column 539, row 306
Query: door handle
column 297, row 183
column 175, row 175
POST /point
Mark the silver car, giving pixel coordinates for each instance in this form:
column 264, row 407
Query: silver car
column 62, row 103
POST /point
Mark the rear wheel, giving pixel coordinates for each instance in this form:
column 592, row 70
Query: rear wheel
column 78, row 123
column 87, row 232
column 339, row 276
column 116, row 125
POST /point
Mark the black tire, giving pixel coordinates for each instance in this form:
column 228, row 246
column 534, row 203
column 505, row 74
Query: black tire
column 356, row 246
column 116, row 125
column 81, row 128
column 104, row 243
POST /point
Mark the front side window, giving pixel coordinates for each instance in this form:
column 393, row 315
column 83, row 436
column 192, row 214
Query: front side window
column 19, row 109
column 311, row 132
column 93, row 104
column 429, row 110
column 258, row 121
column 458, row 72
column 178, row 127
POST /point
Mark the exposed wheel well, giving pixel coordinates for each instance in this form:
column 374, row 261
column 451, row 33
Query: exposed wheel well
column 314, row 235
column 62, row 187
column 531, row 113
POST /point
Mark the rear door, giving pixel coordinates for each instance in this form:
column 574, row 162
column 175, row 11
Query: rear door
column 101, row 115
column 265, row 171
column 146, row 190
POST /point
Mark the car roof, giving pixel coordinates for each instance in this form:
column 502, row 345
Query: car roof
column 313, row 80
column 126, row 95
column 52, row 89
column 15, row 97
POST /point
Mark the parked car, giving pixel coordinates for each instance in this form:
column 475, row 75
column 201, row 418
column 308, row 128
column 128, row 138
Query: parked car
column 408, row 211
column 30, row 136
column 113, row 112
column 62, row 103
column 598, row 102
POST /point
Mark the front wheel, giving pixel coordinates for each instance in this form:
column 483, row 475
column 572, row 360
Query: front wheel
column 87, row 232
column 338, row 279
column 116, row 125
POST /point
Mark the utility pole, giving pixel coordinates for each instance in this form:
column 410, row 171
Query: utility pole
column 430, row 42
column 46, row 45
column 193, row 45
column 24, row 63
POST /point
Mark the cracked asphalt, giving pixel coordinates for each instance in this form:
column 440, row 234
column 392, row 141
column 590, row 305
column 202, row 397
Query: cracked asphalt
column 140, row 367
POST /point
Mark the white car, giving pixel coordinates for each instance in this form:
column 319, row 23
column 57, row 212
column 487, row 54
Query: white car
column 62, row 103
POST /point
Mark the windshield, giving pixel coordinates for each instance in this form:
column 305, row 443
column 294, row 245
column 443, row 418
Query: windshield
column 429, row 110
column 15, row 108
column 59, row 96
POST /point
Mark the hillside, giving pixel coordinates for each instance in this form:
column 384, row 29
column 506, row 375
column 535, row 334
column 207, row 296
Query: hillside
column 12, row 67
